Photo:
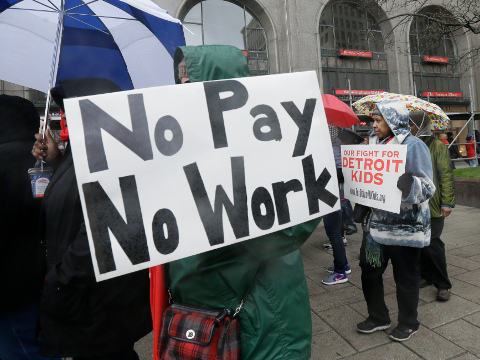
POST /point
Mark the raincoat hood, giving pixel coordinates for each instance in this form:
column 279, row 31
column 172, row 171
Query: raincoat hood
column 423, row 123
column 19, row 119
column 209, row 62
column 396, row 115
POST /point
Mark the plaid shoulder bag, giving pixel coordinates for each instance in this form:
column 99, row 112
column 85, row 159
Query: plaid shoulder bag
column 194, row 333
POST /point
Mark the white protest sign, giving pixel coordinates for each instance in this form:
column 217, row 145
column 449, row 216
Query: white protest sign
column 371, row 173
column 169, row 172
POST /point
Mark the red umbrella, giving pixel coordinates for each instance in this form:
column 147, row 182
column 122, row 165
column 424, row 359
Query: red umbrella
column 338, row 113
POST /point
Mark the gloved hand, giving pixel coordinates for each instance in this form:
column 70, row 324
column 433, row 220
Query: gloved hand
column 405, row 182
column 359, row 213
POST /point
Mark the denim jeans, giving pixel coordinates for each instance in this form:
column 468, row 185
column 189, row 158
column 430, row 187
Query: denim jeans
column 17, row 334
column 347, row 212
column 333, row 225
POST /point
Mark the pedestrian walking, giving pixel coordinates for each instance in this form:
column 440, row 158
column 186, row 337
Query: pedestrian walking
column 433, row 263
column 471, row 153
column 334, row 223
column 443, row 138
column 340, row 269
column 454, row 153
column 385, row 240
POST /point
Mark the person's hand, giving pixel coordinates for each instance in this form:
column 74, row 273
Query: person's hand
column 445, row 211
column 405, row 182
column 45, row 148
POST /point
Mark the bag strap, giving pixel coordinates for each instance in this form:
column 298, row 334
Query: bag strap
column 240, row 307
column 242, row 302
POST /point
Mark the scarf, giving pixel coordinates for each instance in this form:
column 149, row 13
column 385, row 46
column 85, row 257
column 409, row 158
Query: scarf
column 373, row 252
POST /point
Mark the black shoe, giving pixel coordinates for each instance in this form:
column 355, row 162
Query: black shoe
column 424, row 283
column 401, row 333
column 350, row 231
column 368, row 326
column 443, row 295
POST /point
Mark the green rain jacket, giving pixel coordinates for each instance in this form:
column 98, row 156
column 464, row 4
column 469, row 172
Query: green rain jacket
column 442, row 175
column 275, row 320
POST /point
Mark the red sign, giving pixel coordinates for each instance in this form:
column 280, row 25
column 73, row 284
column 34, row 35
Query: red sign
column 356, row 53
column 436, row 59
column 358, row 92
column 441, row 94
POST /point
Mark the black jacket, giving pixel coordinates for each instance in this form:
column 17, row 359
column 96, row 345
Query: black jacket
column 454, row 153
column 78, row 316
column 20, row 272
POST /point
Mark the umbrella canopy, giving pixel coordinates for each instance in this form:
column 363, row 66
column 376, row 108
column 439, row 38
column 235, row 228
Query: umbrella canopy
column 130, row 42
column 338, row 113
column 439, row 119
column 349, row 137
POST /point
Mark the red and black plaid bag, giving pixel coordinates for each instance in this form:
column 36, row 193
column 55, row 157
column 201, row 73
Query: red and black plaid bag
column 195, row 333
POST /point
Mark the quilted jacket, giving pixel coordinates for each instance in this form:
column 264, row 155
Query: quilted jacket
column 411, row 227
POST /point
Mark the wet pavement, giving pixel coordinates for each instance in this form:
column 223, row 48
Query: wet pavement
column 449, row 330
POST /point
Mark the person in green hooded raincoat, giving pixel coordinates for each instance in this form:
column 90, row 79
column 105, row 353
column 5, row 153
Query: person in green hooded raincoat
column 276, row 319
column 433, row 262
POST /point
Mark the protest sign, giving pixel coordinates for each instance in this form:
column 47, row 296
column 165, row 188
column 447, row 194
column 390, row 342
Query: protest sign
column 371, row 173
column 169, row 172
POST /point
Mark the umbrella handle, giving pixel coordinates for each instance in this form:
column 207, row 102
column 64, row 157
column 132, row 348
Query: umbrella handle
column 47, row 110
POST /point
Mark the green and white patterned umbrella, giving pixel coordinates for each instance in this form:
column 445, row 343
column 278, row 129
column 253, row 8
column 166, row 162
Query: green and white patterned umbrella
column 367, row 104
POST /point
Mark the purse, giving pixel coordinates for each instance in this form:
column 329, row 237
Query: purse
column 195, row 333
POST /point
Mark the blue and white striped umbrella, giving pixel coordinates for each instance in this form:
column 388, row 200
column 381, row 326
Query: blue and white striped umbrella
column 130, row 42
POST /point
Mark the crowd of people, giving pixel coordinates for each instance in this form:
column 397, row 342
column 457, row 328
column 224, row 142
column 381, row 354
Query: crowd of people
column 55, row 308
column 473, row 150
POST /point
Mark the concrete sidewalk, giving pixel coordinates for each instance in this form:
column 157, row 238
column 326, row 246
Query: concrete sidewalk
column 448, row 330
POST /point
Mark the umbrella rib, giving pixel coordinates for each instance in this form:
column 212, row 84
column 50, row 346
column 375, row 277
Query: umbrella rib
column 103, row 16
column 94, row 15
column 51, row 11
column 53, row 7
column 85, row 4
column 83, row 22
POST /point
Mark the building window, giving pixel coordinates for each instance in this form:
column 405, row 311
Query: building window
column 347, row 26
column 434, row 58
column 228, row 23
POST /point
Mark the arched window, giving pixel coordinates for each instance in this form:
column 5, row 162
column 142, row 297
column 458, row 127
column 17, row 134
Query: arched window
column 352, row 50
column 228, row 23
column 434, row 55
